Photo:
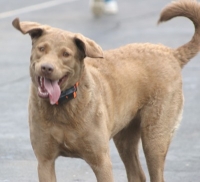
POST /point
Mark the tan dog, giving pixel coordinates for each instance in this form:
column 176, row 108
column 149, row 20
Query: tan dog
column 126, row 94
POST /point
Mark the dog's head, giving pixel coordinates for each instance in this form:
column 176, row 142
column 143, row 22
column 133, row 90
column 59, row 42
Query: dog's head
column 56, row 58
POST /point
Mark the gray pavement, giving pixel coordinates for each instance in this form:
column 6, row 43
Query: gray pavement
column 136, row 22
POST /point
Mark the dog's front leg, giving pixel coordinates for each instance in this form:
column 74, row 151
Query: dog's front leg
column 102, row 166
column 46, row 171
column 46, row 152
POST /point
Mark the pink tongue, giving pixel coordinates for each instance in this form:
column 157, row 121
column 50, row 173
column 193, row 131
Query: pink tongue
column 53, row 90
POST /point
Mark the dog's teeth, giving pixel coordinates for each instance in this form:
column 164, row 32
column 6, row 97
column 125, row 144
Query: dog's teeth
column 41, row 81
column 44, row 94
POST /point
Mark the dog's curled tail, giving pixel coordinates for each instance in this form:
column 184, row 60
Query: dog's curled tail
column 191, row 10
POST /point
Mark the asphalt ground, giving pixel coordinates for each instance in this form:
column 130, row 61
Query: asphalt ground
column 135, row 22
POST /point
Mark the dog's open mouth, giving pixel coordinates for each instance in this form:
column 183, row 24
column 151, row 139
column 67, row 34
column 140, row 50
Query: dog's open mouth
column 50, row 89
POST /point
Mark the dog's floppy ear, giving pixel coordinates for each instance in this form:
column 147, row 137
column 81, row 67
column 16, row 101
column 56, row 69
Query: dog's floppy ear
column 88, row 47
column 34, row 29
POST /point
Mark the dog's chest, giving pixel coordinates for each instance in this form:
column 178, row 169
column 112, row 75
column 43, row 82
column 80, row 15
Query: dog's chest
column 67, row 140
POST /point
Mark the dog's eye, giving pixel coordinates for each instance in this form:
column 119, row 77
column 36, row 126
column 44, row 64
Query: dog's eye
column 65, row 54
column 41, row 49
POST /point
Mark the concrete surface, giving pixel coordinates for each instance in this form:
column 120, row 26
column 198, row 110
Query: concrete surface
column 135, row 22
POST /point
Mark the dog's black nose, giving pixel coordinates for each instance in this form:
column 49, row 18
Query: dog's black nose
column 47, row 68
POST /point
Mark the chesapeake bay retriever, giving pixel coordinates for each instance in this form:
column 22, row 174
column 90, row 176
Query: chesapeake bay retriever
column 81, row 97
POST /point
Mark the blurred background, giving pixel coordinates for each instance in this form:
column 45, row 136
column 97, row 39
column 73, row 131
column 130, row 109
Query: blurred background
column 136, row 21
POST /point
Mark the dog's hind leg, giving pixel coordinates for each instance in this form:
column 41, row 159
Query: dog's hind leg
column 127, row 141
column 159, row 120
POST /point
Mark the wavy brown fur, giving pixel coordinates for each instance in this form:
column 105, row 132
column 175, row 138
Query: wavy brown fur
column 191, row 10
